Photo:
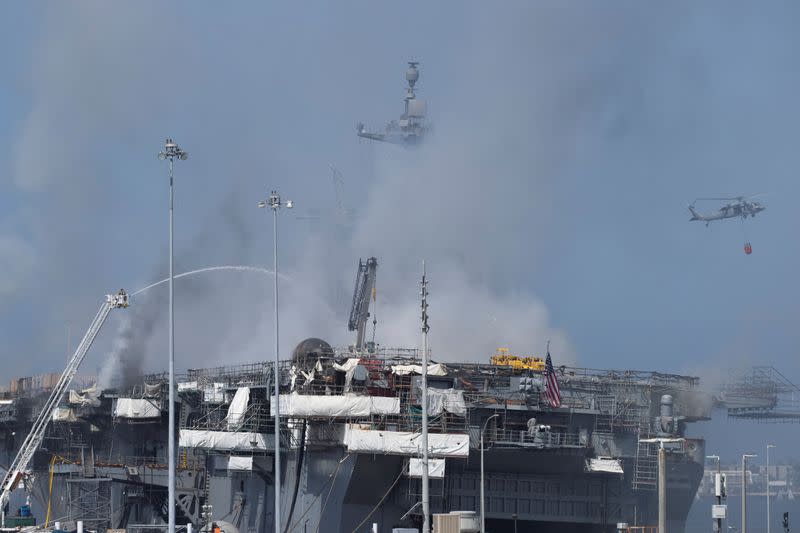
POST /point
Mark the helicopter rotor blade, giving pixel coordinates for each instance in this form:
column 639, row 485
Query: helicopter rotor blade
column 730, row 198
column 755, row 195
column 717, row 198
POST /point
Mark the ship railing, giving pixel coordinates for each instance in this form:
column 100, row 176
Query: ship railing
column 596, row 378
column 261, row 368
column 162, row 377
column 533, row 400
column 505, row 438
column 389, row 354
column 411, row 420
column 132, row 462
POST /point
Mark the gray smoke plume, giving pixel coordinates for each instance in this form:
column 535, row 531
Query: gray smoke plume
column 124, row 365
column 548, row 202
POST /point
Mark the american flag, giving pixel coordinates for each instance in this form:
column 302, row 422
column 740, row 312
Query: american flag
column 551, row 391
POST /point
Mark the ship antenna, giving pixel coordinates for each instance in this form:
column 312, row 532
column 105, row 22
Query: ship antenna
column 374, row 311
column 426, row 527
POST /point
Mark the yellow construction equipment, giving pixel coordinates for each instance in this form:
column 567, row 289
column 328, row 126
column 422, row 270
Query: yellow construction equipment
column 517, row 362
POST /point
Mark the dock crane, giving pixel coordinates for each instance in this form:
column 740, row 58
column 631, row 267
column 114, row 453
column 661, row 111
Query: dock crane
column 16, row 471
column 364, row 290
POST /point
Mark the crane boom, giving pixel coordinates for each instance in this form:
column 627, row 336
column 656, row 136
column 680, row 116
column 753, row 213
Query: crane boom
column 17, row 468
column 359, row 311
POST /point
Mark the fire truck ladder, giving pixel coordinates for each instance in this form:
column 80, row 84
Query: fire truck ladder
column 359, row 311
column 16, row 470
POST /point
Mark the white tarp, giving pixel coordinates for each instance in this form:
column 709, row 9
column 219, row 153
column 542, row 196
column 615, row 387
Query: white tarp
column 6, row 402
column 435, row 467
column 605, row 465
column 349, row 368
column 305, row 405
column 433, row 370
column 240, row 463
column 450, row 400
column 214, row 393
column 187, row 385
column 86, row 397
column 64, row 414
column 404, row 443
column 224, row 440
column 348, row 365
column 308, row 377
column 238, row 408
column 136, row 408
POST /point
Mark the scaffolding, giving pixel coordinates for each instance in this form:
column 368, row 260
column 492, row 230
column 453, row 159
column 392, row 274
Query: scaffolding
column 90, row 501
column 760, row 393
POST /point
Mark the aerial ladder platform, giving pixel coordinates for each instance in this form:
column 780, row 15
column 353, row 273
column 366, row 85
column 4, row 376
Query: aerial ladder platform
column 364, row 290
column 16, row 471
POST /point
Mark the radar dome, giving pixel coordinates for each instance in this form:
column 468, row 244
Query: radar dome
column 412, row 74
column 307, row 353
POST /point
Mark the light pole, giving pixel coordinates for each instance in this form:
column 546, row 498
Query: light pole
column 662, row 476
column 745, row 457
column 274, row 203
column 717, row 491
column 769, row 518
column 483, row 499
column 171, row 151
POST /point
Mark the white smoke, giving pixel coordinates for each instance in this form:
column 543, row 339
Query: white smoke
column 111, row 370
column 473, row 201
column 468, row 321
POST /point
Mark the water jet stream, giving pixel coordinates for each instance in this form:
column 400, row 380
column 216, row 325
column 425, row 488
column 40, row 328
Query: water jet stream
column 239, row 268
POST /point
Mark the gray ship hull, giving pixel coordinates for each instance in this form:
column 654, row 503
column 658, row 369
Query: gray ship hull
column 339, row 492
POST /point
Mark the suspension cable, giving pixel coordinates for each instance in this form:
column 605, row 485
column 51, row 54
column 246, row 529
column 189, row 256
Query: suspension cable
column 379, row 503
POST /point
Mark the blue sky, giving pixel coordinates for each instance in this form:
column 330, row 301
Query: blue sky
column 549, row 202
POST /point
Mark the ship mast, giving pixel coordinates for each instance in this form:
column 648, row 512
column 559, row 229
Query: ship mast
column 426, row 508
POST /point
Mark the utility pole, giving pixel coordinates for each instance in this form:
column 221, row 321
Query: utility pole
column 769, row 518
column 426, row 504
column 274, row 203
column 745, row 457
column 171, row 151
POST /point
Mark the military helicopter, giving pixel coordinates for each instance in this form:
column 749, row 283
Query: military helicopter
column 738, row 206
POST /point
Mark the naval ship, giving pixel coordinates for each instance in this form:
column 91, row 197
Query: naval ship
column 349, row 436
column 350, row 426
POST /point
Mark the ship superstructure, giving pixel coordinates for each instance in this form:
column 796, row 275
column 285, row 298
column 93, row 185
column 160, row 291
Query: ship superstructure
column 350, row 430
column 411, row 127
